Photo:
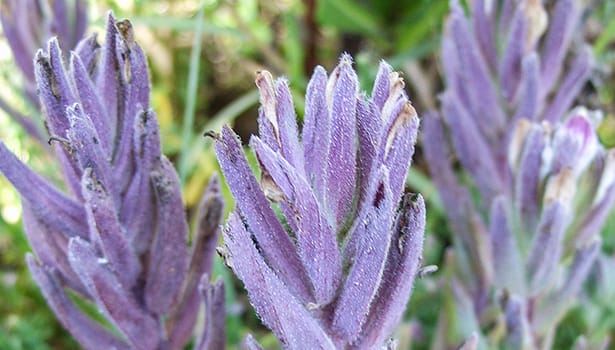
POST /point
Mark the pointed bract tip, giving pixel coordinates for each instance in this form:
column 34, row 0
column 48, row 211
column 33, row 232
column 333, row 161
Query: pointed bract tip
column 110, row 16
column 264, row 78
column 562, row 187
column 210, row 133
column 345, row 59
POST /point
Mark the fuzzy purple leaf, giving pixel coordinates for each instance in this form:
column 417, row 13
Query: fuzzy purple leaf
column 402, row 265
column 316, row 132
column 106, row 231
column 209, row 218
column 316, row 241
column 277, row 306
column 89, row 333
column 370, row 238
column 214, row 332
column 340, row 174
column 261, row 219
column 140, row 328
column 168, row 253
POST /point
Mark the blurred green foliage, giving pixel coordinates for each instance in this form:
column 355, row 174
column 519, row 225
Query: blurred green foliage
column 203, row 56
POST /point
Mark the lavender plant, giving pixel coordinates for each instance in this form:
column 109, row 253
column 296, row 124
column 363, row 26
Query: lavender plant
column 117, row 236
column 327, row 246
column 27, row 25
column 534, row 185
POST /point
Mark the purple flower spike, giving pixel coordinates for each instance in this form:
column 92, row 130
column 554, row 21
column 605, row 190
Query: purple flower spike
column 543, row 183
column 120, row 238
column 326, row 244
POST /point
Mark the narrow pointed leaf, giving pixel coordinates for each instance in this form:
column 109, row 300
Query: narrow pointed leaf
column 86, row 331
column 277, row 306
column 140, row 329
column 276, row 245
column 168, row 253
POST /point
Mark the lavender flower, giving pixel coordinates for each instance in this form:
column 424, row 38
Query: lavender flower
column 119, row 237
column 327, row 246
column 27, row 26
column 543, row 184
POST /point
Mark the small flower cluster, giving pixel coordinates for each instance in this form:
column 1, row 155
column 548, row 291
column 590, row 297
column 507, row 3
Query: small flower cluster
column 526, row 242
column 119, row 237
column 326, row 245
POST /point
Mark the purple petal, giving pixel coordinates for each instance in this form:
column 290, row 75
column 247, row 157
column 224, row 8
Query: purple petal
column 60, row 24
column 474, row 151
column 564, row 20
column 397, row 144
column 507, row 265
column 316, row 241
column 528, row 178
column 87, row 332
column 88, row 50
column 87, row 148
column 370, row 239
column 484, row 29
column 464, row 309
column 214, row 332
column 209, row 218
column 477, row 83
column 341, row 163
column 138, row 205
column 106, row 231
column 56, row 95
column 436, row 148
column 287, row 120
column 107, row 81
column 579, row 270
column 463, row 219
column 54, row 90
column 518, row 331
column 575, row 144
column 554, row 308
column 266, row 130
column 369, row 132
column 251, row 202
column 403, row 261
column 81, row 20
column 12, row 17
column 530, row 87
column 570, row 86
column 140, row 329
column 396, row 95
column 50, row 246
column 168, row 253
column 135, row 82
column 546, row 248
column 594, row 218
column 316, row 132
column 510, row 64
column 91, row 103
column 382, row 85
column 277, row 306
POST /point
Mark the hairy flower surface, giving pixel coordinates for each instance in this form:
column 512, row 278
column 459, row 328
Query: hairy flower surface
column 118, row 238
column 534, row 185
column 27, row 25
column 326, row 244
